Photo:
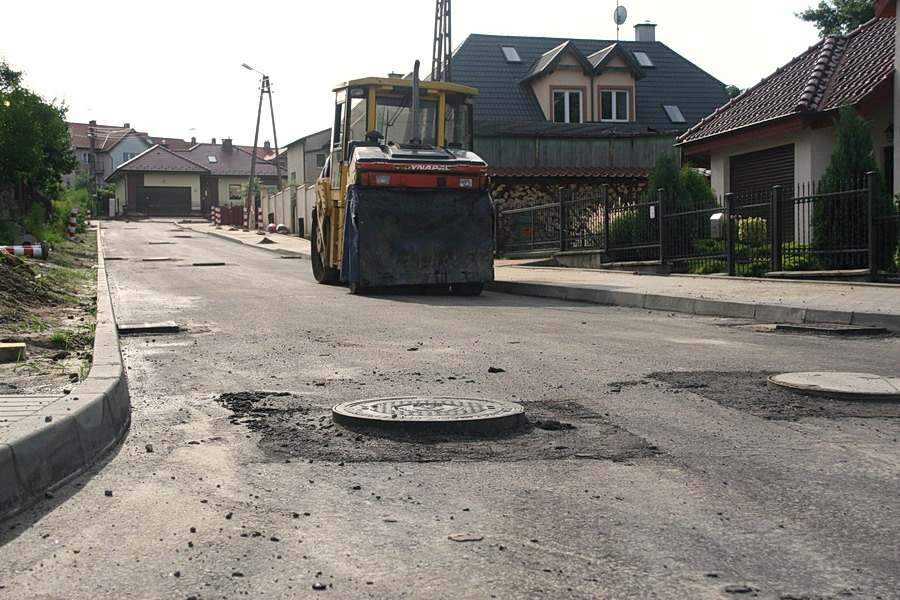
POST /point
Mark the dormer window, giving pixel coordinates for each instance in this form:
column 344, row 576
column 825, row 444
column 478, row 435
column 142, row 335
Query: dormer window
column 567, row 106
column 615, row 105
column 511, row 54
column 642, row 58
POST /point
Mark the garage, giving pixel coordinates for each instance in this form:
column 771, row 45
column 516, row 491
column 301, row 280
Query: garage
column 164, row 201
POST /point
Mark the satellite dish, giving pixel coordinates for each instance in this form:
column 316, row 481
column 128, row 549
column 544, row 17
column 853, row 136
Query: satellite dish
column 620, row 15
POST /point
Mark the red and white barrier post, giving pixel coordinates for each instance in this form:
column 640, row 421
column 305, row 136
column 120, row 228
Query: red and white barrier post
column 41, row 250
column 260, row 227
column 73, row 223
column 218, row 219
column 246, row 222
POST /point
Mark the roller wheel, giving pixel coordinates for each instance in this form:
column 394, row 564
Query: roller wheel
column 321, row 273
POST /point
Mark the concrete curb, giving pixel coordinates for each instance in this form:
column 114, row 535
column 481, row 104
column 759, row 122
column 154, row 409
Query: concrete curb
column 766, row 313
column 224, row 236
column 63, row 439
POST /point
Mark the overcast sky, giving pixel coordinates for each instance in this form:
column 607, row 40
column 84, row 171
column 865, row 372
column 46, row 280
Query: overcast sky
column 173, row 69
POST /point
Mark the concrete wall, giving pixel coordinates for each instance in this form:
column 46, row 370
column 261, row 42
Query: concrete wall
column 176, row 180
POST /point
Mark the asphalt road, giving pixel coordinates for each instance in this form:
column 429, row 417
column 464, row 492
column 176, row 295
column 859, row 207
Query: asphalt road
column 677, row 473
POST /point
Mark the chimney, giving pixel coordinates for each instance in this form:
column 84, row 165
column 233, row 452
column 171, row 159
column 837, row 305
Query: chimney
column 214, row 140
column 92, row 123
column 226, row 145
column 193, row 140
column 267, row 145
column 645, row 32
column 127, row 125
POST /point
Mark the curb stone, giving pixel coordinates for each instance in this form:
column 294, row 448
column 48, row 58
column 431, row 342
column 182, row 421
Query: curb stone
column 698, row 306
column 60, row 441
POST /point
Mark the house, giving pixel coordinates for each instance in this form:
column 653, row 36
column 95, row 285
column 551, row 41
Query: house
column 102, row 148
column 576, row 112
column 781, row 131
column 165, row 182
column 304, row 159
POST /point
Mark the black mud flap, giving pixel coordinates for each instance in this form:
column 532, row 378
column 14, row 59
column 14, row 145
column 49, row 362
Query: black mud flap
column 414, row 237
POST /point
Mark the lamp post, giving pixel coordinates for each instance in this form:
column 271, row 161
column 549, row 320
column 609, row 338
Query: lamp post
column 264, row 88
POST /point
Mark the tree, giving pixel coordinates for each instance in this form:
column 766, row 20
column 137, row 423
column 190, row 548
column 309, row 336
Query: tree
column 833, row 17
column 35, row 147
column 733, row 91
column 839, row 221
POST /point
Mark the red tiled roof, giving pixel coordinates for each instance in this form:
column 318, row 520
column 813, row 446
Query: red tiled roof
column 836, row 71
column 563, row 172
column 228, row 163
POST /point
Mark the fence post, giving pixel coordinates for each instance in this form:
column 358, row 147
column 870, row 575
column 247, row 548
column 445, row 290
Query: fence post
column 661, row 197
column 729, row 235
column 775, row 228
column 605, row 188
column 872, row 183
column 562, row 220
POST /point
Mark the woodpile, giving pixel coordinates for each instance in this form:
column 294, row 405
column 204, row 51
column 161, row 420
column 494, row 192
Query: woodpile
column 512, row 195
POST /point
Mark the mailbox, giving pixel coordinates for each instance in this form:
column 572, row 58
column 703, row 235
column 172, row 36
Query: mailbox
column 717, row 225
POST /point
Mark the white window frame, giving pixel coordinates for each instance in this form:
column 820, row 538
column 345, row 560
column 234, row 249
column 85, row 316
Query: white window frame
column 614, row 105
column 567, row 116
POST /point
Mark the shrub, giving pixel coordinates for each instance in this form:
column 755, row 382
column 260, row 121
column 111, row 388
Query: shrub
column 839, row 219
column 752, row 230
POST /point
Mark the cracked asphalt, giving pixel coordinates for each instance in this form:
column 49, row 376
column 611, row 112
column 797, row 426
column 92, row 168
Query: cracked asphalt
column 654, row 462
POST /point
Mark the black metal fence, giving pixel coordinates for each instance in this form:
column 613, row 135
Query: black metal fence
column 750, row 233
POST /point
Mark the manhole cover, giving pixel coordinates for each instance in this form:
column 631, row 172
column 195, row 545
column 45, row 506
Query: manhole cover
column 416, row 412
column 851, row 386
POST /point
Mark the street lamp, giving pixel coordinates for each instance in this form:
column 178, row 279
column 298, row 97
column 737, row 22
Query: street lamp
column 264, row 88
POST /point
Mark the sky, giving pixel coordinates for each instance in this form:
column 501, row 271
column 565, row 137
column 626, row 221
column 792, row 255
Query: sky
column 173, row 69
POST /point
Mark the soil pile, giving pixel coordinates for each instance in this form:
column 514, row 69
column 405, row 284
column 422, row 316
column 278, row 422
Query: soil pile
column 18, row 284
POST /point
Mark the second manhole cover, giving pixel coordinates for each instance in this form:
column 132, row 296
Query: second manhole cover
column 418, row 412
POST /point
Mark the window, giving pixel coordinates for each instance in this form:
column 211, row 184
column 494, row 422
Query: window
column 126, row 156
column 511, row 54
column 293, row 177
column 234, row 191
column 614, row 105
column 642, row 58
column 86, row 158
column 567, row 106
column 320, row 160
column 674, row 113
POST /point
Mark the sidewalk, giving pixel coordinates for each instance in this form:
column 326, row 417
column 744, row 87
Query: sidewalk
column 764, row 300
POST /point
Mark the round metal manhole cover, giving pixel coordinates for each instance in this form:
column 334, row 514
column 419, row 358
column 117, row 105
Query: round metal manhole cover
column 417, row 412
column 848, row 386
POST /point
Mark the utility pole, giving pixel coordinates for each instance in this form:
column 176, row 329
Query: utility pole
column 440, row 56
column 264, row 88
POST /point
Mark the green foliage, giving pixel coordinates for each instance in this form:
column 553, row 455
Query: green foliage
column 752, row 230
column 838, row 219
column 834, row 17
column 686, row 189
column 34, row 137
column 751, row 259
column 632, row 229
column 733, row 91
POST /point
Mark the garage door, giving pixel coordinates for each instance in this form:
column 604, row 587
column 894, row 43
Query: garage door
column 164, row 201
column 755, row 173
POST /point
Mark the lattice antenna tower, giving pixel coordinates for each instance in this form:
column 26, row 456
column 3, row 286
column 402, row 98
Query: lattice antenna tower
column 440, row 56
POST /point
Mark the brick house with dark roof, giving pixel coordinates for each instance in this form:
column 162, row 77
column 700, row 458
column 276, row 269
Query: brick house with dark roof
column 165, row 182
column 781, row 131
column 553, row 112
